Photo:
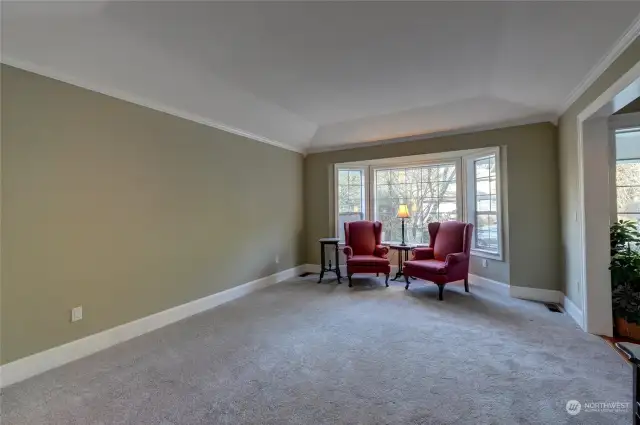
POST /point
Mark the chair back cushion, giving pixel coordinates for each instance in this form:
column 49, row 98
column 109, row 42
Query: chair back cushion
column 449, row 237
column 363, row 236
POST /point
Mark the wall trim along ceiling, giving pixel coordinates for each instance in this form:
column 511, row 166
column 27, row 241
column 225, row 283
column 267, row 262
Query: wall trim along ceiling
column 620, row 46
column 622, row 43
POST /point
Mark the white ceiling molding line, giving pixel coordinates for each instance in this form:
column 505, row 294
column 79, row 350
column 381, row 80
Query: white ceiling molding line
column 128, row 97
column 620, row 46
column 536, row 119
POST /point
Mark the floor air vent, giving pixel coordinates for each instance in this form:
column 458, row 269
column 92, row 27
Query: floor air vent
column 305, row 274
column 553, row 307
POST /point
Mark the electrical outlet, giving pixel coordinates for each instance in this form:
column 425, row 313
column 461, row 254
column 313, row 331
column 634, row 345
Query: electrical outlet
column 485, row 263
column 277, row 259
column 76, row 314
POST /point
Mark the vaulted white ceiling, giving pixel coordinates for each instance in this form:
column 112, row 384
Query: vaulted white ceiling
column 316, row 75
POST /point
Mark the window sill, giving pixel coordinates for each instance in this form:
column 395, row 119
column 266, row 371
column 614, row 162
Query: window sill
column 487, row 254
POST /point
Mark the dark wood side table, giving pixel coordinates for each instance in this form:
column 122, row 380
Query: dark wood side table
column 403, row 255
column 323, row 268
column 632, row 351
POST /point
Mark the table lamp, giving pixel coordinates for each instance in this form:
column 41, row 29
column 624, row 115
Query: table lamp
column 403, row 212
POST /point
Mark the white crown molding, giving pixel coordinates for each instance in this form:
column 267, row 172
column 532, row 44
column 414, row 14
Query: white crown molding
column 616, row 50
column 43, row 361
column 132, row 98
column 550, row 117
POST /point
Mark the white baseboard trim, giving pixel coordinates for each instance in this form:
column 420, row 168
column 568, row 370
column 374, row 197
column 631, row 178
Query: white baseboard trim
column 536, row 294
column 38, row 363
column 572, row 310
column 483, row 281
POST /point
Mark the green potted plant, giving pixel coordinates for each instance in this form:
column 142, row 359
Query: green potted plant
column 625, row 277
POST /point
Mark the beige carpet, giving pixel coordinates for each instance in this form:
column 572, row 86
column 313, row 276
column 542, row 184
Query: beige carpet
column 301, row 353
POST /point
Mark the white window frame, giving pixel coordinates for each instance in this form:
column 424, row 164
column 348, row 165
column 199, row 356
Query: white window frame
column 470, row 201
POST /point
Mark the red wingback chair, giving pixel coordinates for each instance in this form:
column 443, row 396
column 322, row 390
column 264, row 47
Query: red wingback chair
column 364, row 250
column 447, row 257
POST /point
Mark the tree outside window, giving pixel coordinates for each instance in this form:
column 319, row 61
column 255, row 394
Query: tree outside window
column 429, row 191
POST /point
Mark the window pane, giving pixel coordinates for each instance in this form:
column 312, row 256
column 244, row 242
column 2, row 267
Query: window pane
column 635, row 217
column 355, row 193
column 397, row 176
column 628, row 173
column 382, row 177
column 343, row 199
column 628, row 199
column 628, row 189
column 343, row 177
column 347, row 218
column 429, row 174
column 483, row 203
column 486, row 204
column 446, row 173
column 483, row 186
column 492, row 166
column 430, row 193
column 487, row 232
column 355, row 177
column 449, row 189
column 482, row 168
column 351, row 205
column 413, row 175
column 383, row 192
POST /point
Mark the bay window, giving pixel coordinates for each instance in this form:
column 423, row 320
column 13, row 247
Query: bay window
column 457, row 186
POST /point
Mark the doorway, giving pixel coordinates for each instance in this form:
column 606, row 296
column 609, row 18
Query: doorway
column 596, row 189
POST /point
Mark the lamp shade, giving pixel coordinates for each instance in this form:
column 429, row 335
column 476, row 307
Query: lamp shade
column 403, row 211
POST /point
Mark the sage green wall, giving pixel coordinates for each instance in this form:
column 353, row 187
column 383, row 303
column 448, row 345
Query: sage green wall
column 568, row 155
column 128, row 211
column 530, row 194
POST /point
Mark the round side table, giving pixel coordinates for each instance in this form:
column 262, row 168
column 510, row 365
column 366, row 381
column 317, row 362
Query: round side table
column 403, row 251
column 323, row 268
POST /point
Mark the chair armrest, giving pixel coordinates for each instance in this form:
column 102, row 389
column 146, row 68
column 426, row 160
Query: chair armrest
column 422, row 253
column 348, row 251
column 458, row 257
column 381, row 251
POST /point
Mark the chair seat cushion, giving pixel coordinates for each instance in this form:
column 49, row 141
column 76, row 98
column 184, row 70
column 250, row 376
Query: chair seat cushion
column 367, row 260
column 430, row 266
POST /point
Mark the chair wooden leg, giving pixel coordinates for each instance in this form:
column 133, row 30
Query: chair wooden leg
column 440, row 291
column 377, row 274
column 350, row 284
column 386, row 280
column 406, row 279
column 466, row 285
